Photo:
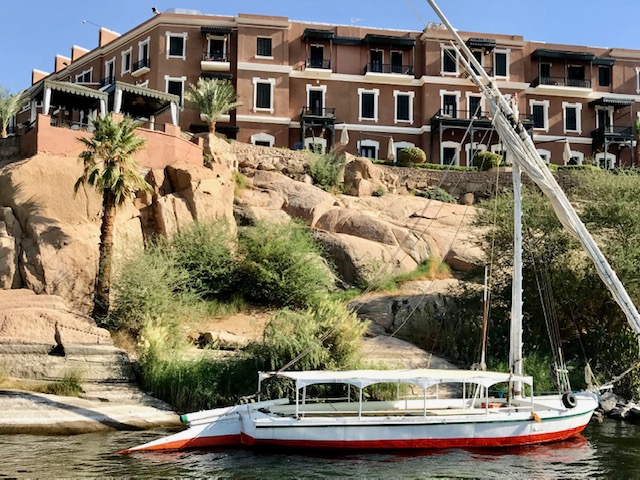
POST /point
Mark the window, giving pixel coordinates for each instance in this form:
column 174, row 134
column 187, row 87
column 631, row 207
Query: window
column 264, row 48
column 217, row 48
column 545, row 73
column 604, row 76
column 477, row 54
column 143, row 55
column 126, row 61
column 577, row 158
column 404, row 106
column 474, row 103
column 368, row 104
column 377, row 60
column 449, row 61
column 572, row 117
column 501, row 63
column 176, row 45
column 175, row 86
column 263, row 139
column 317, row 56
column 450, row 153
column 400, row 146
column 396, row 62
column 315, row 99
column 368, row 148
column 315, row 144
column 545, row 155
column 449, row 103
column 540, row 113
column 606, row 160
column 109, row 72
column 604, row 117
column 498, row 149
column 263, row 94
column 85, row 77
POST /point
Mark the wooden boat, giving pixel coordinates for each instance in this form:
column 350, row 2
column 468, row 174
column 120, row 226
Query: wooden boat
column 470, row 415
column 470, row 418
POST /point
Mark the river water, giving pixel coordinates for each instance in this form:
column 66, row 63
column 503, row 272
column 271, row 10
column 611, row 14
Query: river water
column 608, row 450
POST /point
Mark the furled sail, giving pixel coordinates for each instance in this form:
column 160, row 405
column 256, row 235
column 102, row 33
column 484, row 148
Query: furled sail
column 520, row 145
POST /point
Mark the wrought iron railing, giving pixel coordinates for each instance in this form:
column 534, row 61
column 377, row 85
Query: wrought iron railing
column 107, row 81
column 318, row 112
column 376, row 67
column 144, row 63
column 65, row 123
column 613, row 131
column 454, row 113
column 562, row 82
column 316, row 63
column 215, row 57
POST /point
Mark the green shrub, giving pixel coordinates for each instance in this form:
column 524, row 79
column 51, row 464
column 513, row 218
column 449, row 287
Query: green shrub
column 149, row 288
column 485, row 160
column 411, row 156
column 239, row 183
column 329, row 334
column 379, row 192
column 281, row 265
column 69, row 385
column 326, row 170
column 577, row 167
column 436, row 193
column 203, row 252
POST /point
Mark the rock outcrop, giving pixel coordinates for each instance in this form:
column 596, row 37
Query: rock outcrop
column 49, row 236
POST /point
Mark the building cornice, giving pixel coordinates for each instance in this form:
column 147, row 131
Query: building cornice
column 263, row 119
column 264, row 67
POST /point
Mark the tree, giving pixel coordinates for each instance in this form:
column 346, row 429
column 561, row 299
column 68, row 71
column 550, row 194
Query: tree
column 109, row 167
column 213, row 98
column 10, row 104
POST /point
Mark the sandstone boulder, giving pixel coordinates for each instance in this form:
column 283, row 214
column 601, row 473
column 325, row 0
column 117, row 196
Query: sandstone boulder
column 302, row 201
column 362, row 178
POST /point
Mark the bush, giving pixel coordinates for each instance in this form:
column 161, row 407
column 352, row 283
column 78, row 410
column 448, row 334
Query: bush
column 69, row 385
column 326, row 170
column 203, row 254
column 281, row 266
column 329, row 334
column 485, row 160
column 149, row 288
column 379, row 192
column 436, row 193
column 411, row 156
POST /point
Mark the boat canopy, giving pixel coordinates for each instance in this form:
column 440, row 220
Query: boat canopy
column 422, row 377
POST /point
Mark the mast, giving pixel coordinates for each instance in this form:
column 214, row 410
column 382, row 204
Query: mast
column 526, row 157
column 515, row 336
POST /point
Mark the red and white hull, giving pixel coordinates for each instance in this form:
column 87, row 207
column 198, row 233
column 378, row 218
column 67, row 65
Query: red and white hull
column 253, row 426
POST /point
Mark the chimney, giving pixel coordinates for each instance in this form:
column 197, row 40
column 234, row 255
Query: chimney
column 61, row 62
column 77, row 52
column 105, row 36
column 37, row 75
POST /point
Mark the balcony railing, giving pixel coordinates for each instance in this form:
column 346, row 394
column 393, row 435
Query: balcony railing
column 388, row 68
column 561, row 82
column 469, row 115
column 140, row 64
column 107, row 81
column 215, row 57
column 318, row 112
column 315, row 63
column 612, row 132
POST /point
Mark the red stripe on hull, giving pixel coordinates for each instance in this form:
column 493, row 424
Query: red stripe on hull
column 190, row 443
column 415, row 443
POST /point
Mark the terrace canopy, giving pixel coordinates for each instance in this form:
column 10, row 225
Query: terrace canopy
column 138, row 102
column 68, row 95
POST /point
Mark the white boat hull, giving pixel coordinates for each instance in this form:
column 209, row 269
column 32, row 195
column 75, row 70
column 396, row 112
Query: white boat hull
column 252, row 426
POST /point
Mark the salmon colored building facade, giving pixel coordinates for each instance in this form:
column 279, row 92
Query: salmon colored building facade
column 303, row 84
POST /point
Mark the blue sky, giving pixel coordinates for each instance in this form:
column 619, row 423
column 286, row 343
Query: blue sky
column 34, row 31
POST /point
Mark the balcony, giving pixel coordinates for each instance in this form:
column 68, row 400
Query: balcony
column 388, row 68
column 141, row 67
column 320, row 64
column 215, row 62
column 452, row 117
column 329, row 113
column 612, row 134
column 107, row 81
column 561, row 82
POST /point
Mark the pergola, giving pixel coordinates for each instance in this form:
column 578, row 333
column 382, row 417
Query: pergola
column 67, row 94
column 138, row 102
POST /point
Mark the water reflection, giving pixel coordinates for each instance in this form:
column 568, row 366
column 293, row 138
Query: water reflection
column 607, row 450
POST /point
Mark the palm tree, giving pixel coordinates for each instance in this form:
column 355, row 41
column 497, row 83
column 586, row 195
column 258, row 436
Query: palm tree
column 213, row 98
column 109, row 167
column 10, row 104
